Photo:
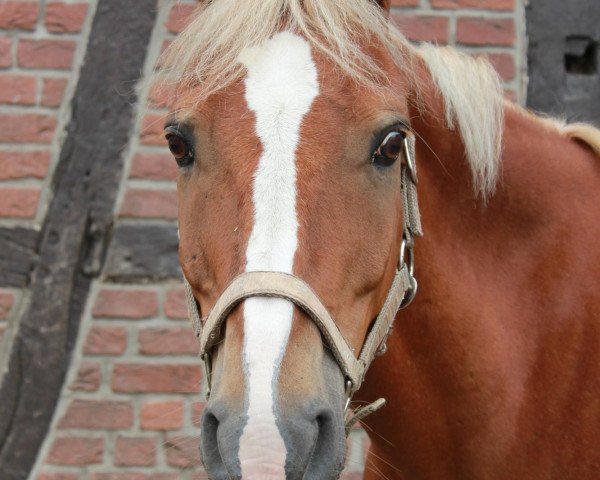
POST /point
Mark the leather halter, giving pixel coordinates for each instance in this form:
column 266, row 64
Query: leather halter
column 294, row 289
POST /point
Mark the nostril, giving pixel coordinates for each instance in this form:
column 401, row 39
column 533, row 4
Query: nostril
column 209, row 447
column 328, row 451
column 325, row 429
column 323, row 421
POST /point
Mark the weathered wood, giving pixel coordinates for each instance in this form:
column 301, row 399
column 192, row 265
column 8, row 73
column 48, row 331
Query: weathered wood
column 564, row 58
column 143, row 252
column 75, row 229
column 17, row 255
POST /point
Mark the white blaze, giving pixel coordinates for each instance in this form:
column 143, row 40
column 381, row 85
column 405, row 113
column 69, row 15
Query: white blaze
column 281, row 85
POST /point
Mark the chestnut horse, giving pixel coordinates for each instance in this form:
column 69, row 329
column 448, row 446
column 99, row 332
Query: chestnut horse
column 295, row 124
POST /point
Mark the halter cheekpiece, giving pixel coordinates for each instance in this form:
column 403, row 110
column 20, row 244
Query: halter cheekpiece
column 294, row 289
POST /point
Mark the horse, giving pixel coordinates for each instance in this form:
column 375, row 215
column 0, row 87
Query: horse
column 305, row 131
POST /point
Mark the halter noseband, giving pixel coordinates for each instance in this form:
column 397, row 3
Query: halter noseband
column 295, row 290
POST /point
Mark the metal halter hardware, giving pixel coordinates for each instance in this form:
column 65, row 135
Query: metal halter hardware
column 295, row 290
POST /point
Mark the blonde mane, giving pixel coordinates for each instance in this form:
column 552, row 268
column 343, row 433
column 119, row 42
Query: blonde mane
column 207, row 53
column 473, row 98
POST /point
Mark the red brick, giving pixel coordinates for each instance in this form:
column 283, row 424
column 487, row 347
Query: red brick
column 352, row 475
column 65, row 17
column 197, row 411
column 53, row 54
column 163, row 47
column 167, row 415
column 510, row 95
column 153, row 166
column 135, row 476
column 5, row 52
column 135, row 304
column 153, row 130
column 161, row 95
column 18, row 15
column 179, row 17
column 508, row 5
column 17, row 89
column 366, row 444
column 106, row 341
column 426, row 28
column 504, row 64
column 19, row 202
column 53, row 91
column 6, row 302
column 27, row 127
column 175, row 306
column 168, row 341
column 159, row 61
column 157, row 378
column 76, row 451
column 199, row 476
column 98, row 414
column 23, row 164
column 57, row 476
column 88, row 378
column 182, row 451
column 149, row 204
column 135, row 451
column 485, row 31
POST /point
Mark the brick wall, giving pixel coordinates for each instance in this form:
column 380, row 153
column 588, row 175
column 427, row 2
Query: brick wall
column 41, row 44
column 494, row 28
column 131, row 403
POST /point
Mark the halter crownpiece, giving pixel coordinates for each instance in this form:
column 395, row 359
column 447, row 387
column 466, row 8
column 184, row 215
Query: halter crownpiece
column 295, row 290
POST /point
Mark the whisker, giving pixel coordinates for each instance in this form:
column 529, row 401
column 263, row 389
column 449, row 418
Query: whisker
column 371, row 430
column 383, row 460
column 420, row 137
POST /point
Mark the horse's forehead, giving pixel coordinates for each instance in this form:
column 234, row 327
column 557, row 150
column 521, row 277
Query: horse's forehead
column 284, row 60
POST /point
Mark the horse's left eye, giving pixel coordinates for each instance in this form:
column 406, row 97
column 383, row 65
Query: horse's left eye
column 390, row 149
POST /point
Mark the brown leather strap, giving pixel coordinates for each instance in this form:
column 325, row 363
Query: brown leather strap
column 382, row 327
column 289, row 287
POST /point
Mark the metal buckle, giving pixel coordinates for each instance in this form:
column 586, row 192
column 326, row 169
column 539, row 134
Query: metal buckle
column 411, row 293
column 407, row 257
column 348, row 395
column 383, row 345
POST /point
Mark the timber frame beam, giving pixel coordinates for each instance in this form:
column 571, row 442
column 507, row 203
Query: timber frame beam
column 72, row 243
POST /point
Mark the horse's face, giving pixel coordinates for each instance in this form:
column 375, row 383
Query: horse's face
column 284, row 174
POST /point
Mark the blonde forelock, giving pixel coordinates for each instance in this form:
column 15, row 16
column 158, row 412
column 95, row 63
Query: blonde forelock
column 207, row 53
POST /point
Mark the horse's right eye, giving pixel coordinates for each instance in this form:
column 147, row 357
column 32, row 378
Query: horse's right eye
column 180, row 148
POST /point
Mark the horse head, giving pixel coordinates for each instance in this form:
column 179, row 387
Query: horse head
column 292, row 166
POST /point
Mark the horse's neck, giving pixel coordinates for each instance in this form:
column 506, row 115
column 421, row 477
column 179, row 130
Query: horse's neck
column 503, row 330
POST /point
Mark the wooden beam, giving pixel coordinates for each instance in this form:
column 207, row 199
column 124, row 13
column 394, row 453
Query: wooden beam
column 143, row 253
column 76, row 228
column 563, row 58
column 18, row 254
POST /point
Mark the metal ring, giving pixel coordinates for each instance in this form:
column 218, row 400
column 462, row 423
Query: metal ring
column 410, row 293
column 407, row 252
column 348, row 394
column 402, row 251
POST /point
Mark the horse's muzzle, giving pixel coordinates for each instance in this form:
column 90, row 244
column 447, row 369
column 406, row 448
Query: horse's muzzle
column 313, row 437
